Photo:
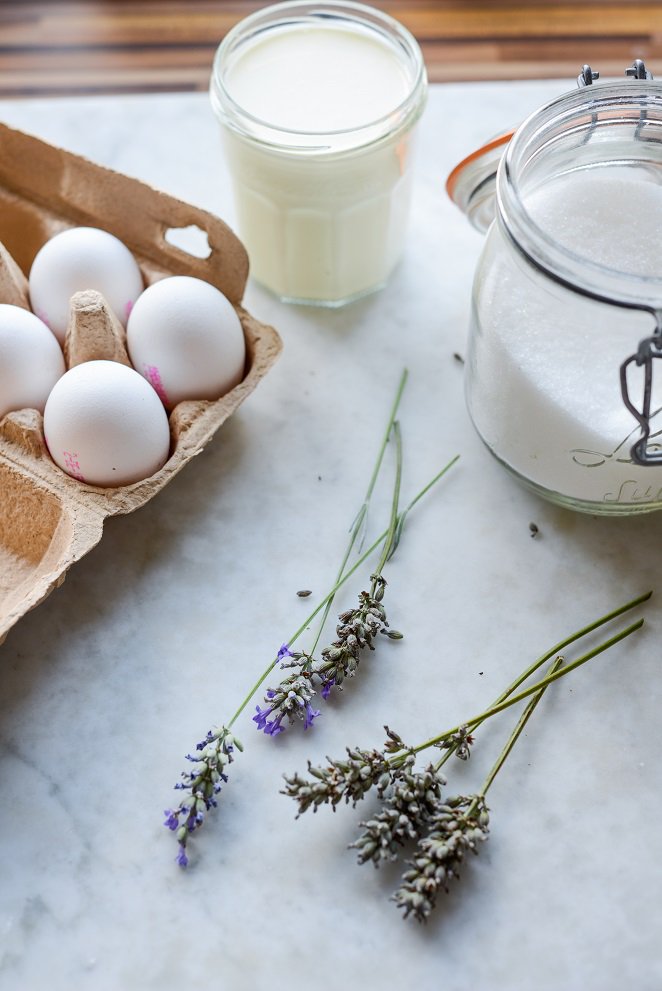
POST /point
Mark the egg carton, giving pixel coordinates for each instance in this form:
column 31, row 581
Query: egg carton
column 49, row 520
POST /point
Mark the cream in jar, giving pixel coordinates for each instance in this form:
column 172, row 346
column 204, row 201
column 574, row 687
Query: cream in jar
column 317, row 104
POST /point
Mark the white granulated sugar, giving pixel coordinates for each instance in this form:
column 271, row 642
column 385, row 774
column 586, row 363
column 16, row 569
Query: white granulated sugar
column 608, row 216
column 546, row 368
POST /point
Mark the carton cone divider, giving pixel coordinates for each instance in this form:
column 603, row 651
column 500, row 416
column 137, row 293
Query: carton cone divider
column 13, row 283
column 25, row 429
column 94, row 332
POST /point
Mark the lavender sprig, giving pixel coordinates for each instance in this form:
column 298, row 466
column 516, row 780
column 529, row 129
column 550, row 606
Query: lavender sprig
column 202, row 784
column 296, row 785
column 358, row 527
column 285, row 649
column 348, row 779
column 184, row 820
column 292, row 698
column 356, row 630
column 412, row 806
column 455, row 829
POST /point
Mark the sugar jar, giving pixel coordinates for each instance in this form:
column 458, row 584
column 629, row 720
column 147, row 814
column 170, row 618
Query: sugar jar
column 567, row 299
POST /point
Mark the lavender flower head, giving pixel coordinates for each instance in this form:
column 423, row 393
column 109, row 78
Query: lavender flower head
column 291, row 698
column 356, row 631
column 202, row 784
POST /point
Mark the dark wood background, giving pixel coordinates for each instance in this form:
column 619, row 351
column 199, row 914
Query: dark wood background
column 55, row 48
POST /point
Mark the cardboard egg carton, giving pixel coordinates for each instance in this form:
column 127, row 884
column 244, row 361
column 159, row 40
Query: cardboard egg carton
column 49, row 520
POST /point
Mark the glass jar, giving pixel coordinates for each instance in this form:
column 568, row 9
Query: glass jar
column 317, row 104
column 567, row 300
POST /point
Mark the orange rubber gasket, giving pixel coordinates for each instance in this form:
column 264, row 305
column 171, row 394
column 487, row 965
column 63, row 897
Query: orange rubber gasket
column 502, row 139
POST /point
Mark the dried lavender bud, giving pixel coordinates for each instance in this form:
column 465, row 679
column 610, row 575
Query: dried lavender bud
column 202, row 784
column 460, row 742
column 456, row 828
column 348, row 779
column 356, row 630
column 414, row 799
column 304, row 593
column 394, row 743
column 297, row 659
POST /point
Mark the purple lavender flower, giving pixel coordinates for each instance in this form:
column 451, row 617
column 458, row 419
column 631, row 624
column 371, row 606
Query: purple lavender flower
column 284, row 651
column 201, row 784
column 291, row 698
column 311, row 714
column 327, row 685
column 273, row 727
column 261, row 717
column 172, row 819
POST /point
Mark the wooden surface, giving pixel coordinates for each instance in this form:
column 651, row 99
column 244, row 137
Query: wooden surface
column 55, row 48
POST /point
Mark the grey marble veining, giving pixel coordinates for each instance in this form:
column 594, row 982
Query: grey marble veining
column 159, row 632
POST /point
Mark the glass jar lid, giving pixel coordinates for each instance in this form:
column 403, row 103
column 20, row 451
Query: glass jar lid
column 472, row 183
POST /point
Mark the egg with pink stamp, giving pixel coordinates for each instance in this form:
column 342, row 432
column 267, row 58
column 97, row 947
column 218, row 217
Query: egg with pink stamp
column 186, row 338
column 105, row 425
column 31, row 360
column 77, row 259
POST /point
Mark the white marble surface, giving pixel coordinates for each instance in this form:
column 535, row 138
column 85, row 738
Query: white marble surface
column 158, row 633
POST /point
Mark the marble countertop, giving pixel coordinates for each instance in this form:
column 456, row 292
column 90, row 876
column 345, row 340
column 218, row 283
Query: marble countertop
column 159, row 632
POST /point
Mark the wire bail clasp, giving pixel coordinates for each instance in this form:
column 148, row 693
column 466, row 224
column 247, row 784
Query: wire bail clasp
column 637, row 70
column 649, row 349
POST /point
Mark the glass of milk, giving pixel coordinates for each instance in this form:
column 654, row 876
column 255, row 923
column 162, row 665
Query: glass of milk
column 318, row 102
column 568, row 285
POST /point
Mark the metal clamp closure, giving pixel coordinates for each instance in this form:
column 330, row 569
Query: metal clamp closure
column 637, row 70
column 649, row 349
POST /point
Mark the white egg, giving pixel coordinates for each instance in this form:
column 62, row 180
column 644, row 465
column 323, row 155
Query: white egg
column 77, row 259
column 105, row 425
column 185, row 337
column 31, row 361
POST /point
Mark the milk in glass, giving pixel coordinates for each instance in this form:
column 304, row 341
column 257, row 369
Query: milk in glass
column 318, row 103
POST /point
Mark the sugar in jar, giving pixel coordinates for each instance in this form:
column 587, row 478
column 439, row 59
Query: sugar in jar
column 318, row 103
column 562, row 385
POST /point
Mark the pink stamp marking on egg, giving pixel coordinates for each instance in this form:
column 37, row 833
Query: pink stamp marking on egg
column 72, row 466
column 153, row 376
column 42, row 316
column 127, row 309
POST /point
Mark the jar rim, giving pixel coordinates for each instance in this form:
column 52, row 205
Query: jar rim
column 280, row 138
column 574, row 270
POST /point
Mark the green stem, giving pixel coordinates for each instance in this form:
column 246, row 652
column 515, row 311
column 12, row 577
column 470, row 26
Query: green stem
column 375, row 544
column 393, row 523
column 514, row 736
column 403, row 515
column 363, row 511
column 513, row 700
column 552, row 652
